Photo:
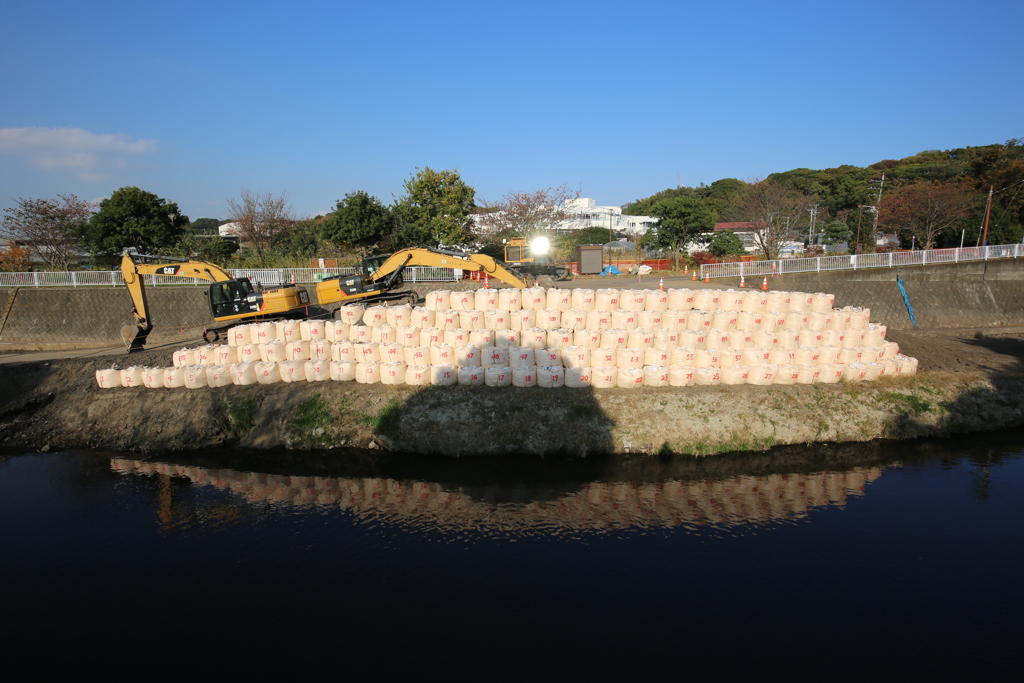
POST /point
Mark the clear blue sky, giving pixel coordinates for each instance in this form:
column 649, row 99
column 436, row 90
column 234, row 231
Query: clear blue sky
column 195, row 100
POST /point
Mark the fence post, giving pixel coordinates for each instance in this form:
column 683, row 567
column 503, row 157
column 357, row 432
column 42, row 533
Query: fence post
column 817, row 264
column 35, row 278
column 985, row 251
column 890, row 259
column 74, row 280
column 853, row 260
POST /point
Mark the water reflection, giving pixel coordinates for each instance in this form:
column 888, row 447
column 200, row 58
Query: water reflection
column 594, row 505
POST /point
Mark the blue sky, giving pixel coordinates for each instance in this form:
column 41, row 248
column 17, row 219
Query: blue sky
column 195, row 100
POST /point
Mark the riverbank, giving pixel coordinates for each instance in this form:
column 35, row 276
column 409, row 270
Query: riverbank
column 969, row 381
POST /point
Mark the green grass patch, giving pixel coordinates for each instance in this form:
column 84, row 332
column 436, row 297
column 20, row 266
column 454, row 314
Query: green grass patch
column 387, row 419
column 240, row 414
column 311, row 414
column 909, row 404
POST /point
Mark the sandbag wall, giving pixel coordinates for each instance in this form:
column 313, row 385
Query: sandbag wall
column 551, row 338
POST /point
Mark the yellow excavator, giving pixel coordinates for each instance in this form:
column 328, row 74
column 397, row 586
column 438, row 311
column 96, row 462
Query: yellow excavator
column 381, row 274
column 231, row 299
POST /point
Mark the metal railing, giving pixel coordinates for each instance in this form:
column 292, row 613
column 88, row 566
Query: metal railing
column 268, row 277
column 891, row 259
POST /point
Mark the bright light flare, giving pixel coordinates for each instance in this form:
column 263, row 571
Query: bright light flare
column 540, row 245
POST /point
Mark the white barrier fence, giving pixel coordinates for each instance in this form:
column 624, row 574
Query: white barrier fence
column 268, row 277
column 893, row 259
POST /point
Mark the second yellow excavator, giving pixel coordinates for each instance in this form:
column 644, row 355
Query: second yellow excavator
column 381, row 274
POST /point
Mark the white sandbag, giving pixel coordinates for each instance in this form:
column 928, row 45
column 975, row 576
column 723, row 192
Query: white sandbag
column 614, row 338
column 311, row 330
column 816, row 321
column 243, row 374
column 602, row 357
column 872, row 371
column 471, row 319
column 855, row 372
column 723, row 320
column 560, row 338
column 890, row 350
column 787, row 374
column 629, row 359
column 588, row 338
column 468, row 356
column 462, row 301
column 510, row 299
column 195, row 377
column 447, row 319
column 534, row 298
column 811, row 338
column 267, row 373
column 607, row 299
column 853, row 339
column 707, row 376
column 392, row 373
column 729, row 357
column 535, row 337
column 226, row 355
column 848, row 356
column 822, row 303
column 656, row 356
column 522, row 319
column 343, row 370
column 218, row 375
column 506, row 338
column 438, row 300
column 417, row 375
column 858, row 319
column 317, row 370
column 801, row 301
column 734, row 374
column 288, row 331
column 496, row 319
column 320, row 349
column 755, row 355
column 135, row 376
column 656, row 300
column 524, row 376
column 640, row 338
column 238, row 335
column 805, row 355
column 874, row 335
column 649, row 320
column 559, row 299
column 717, row 339
column 550, row 376
column 830, row 373
column 297, row 350
column 707, row 358
column 407, row 336
column 494, row 356
column 261, row 333
column 684, row 356
column 368, row 373
column 577, row 378
column 583, row 299
column 576, row 357
column 173, row 377
column 754, row 301
column 629, row 378
column 183, row 356
column 740, row 339
column 366, row 353
column 485, row 299
column 624, row 319
column 456, row 337
column 248, row 353
column 808, row 374
column 763, row 375
column 360, row 334
column 485, row 337
column 828, row 355
column 343, row 351
column 152, row 378
column 698, row 320
column 351, row 314
column 293, row 370
column 431, row 336
column 655, row 376
column 442, row 355
column 871, row 354
column 472, row 376
column 604, row 378
column 599, row 319
column 421, row 317
column 383, row 334
column 782, row 356
column 400, row 316
column 547, row 356
column 633, row 300
column 204, row 355
column 833, row 338
column 908, row 364
column 665, row 339
column 574, row 319
column 549, row 318
column 110, row 378
column 889, row 367
column 680, row 299
column 497, row 376
column 520, row 356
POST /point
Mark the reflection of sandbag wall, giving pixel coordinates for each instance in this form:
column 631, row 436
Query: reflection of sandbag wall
column 730, row 500
column 552, row 338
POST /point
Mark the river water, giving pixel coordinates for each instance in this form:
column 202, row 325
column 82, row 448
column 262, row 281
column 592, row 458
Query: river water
column 824, row 563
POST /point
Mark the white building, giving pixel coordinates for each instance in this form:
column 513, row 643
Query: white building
column 584, row 212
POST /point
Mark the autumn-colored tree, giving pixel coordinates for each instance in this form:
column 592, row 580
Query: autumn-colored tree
column 522, row 213
column 262, row 220
column 775, row 207
column 14, row 259
column 49, row 227
column 924, row 209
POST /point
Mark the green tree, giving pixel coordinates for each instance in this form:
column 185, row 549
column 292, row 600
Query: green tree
column 133, row 218
column 358, row 219
column 681, row 220
column 725, row 243
column 204, row 226
column 212, row 249
column 836, row 232
column 436, row 209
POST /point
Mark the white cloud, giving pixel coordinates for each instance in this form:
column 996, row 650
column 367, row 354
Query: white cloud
column 90, row 155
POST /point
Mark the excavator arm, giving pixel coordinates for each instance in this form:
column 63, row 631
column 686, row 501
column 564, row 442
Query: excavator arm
column 440, row 258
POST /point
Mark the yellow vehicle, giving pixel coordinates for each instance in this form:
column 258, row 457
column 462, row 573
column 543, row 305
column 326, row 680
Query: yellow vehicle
column 381, row 274
column 533, row 258
column 230, row 298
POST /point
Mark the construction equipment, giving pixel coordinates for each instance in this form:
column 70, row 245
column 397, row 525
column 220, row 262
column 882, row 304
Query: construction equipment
column 382, row 274
column 533, row 259
column 231, row 299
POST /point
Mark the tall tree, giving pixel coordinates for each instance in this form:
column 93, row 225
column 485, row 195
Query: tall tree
column 522, row 213
column 134, row 218
column 726, row 243
column 50, row 228
column 924, row 209
column 681, row 220
column 437, row 209
column 775, row 208
column 261, row 219
column 358, row 219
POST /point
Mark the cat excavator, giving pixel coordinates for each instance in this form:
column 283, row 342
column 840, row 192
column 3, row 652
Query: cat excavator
column 231, row 299
column 379, row 275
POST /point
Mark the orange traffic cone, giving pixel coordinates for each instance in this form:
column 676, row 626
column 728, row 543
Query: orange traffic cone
column 694, row 274
column 661, row 285
column 764, row 284
column 686, row 269
column 743, row 282
column 707, row 278
column 293, row 278
column 487, row 280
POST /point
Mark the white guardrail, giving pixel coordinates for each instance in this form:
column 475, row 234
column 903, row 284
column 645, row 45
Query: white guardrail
column 271, row 277
column 893, row 259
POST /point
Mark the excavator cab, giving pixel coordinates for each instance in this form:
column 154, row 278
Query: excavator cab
column 232, row 297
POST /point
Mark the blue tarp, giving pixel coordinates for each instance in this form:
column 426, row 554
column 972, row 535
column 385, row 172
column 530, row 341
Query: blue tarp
column 610, row 270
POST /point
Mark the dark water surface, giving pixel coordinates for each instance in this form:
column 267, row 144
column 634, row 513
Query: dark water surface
column 830, row 563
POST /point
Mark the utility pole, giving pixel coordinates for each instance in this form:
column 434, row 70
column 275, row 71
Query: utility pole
column 878, row 199
column 988, row 210
column 814, row 212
